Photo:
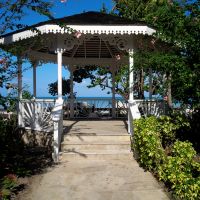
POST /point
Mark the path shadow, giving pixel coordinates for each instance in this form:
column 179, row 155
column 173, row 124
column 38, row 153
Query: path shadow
column 67, row 129
column 76, row 152
column 125, row 124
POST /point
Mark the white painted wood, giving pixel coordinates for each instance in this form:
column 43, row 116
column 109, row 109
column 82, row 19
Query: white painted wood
column 57, row 117
column 134, row 110
column 71, row 94
column 113, row 94
column 36, row 114
column 19, row 77
column 84, row 29
column 55, row 141
column 152, row 107
column 19, row 61
column 131, row 74
column 59, row 61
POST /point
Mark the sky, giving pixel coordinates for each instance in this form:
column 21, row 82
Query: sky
column 48, row 73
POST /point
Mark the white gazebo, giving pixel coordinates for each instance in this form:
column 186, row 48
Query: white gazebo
column 90, row 38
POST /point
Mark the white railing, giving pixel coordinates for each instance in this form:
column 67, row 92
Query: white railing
column 143, row 108
column 95, row 107
column 36, row 114
column 152, row 107
column 58, row 128
column 43, row 115
column 133, row 113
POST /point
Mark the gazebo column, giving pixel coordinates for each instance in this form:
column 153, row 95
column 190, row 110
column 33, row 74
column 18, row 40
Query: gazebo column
column 131, row 75
column 59, row 61
column 35, row 124
column 20, row 117
column 71, row 93
column 133, row 107
column 113, row 94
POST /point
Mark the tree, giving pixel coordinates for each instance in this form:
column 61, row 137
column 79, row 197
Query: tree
column 177, row 24
column 11, row 13
column 53, row 87
column 78, row 75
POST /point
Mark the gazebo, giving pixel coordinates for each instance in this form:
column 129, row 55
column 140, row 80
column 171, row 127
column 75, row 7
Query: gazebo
column 90, row 38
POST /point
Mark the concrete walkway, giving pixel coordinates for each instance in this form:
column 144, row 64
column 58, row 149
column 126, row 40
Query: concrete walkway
column 103, row 174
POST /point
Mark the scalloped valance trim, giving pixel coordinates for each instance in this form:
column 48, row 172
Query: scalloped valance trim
column 84, row 29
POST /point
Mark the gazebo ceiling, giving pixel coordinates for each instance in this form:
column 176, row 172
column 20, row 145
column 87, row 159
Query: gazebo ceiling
column 90, row 35
column 95, row 47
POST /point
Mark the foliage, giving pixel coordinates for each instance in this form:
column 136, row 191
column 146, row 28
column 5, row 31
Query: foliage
column 178, row 169
column 102, row 77
column 147, row 143
column 17, row 159
column 12, row 12
column 168, row 127
column 78, row 75
column 191, row 132
column 53, row 87
column 181, row 172
column 83, row 73
column 26, row 94
column 175, row 48
column 8, row 184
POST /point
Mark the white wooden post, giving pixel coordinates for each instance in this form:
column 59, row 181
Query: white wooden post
column 131, row 75
column 113, row 95
column 35, row 124
column 56, row 141
column 131, row 83
column 71, row 94
column 133, row 112
column 20, row 115
column 59, row 60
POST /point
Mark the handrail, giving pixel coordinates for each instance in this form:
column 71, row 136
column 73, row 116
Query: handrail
column 37, row 100
column 140, row 107
column 35, row 114
column 57, row 117
column 133, row 113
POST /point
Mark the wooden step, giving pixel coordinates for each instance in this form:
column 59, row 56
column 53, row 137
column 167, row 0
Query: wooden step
column 97, row 155
column 96, row 138
column 93, row 147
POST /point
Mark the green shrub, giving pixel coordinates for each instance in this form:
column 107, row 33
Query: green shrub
column 7, row 185
column 169, row 126
column 147, row 143
column 179, row 170
column 191, row 132
column 184, row 150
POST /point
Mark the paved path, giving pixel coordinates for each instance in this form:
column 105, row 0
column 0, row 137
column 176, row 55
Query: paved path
column 97, row 177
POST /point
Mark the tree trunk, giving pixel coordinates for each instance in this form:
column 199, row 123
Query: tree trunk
column 150, row 84
column 169, row 89
column 141, row 84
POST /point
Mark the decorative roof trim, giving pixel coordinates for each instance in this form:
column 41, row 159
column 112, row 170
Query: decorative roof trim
column 84, row 29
